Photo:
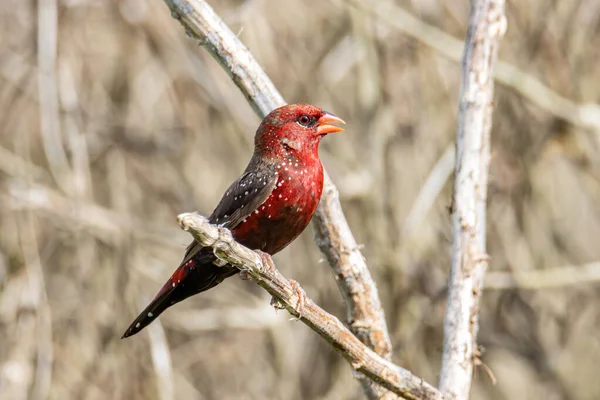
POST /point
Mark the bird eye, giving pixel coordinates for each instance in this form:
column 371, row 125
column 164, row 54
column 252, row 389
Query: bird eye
column 304, row 120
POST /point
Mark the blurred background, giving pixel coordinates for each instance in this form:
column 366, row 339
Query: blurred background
column 112, row 122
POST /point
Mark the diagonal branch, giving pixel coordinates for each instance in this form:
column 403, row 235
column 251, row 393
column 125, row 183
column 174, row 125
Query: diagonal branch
column 531, row 88
column 539, row 279
column 469, row 259
column 332, row 232
column 288, row 294
column 334, row 238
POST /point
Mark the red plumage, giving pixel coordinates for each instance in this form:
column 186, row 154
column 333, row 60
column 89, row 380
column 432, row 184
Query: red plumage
column 266, row 208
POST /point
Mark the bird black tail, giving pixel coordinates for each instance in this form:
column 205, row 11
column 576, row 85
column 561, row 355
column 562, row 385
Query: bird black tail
column 192, row 277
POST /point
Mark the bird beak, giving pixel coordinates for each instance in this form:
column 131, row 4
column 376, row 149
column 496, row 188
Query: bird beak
column 324, row 128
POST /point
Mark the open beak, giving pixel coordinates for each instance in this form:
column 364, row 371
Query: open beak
column 324, row 128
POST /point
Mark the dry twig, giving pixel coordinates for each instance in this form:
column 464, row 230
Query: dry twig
column 469, row 259
column 289, row 295
column 365, row 314
column 530, row 87
column 551, row 278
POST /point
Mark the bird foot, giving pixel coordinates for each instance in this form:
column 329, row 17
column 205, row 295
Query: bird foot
column 244, row 275
column 219, row 263
column 276, row 304
column 267, row 261
column 301, row 297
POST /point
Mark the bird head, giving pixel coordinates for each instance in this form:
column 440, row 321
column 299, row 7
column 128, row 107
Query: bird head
column 295, row 129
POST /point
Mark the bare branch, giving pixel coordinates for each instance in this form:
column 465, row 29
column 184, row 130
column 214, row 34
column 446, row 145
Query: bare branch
column 201, row 22
column 334, row 238
column 289, row 295
column 469, row 259
column 333, row 235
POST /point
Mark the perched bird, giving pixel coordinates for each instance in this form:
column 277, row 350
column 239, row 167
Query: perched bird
column 266, row 208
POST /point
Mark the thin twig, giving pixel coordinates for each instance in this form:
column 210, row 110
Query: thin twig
column 103, row 223
column 45, row 345
column 48, row 93
column 17, row 166
column 582, row 115
column 469, row 259
column 570, row 275
column 333, row 235
column 435, row 182
column 161, row 360
column 290, row 296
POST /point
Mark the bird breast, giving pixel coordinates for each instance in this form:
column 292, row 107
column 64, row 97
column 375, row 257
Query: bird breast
column 287, row 211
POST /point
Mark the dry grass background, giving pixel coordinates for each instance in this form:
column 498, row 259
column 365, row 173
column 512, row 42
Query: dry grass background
column 133, row 123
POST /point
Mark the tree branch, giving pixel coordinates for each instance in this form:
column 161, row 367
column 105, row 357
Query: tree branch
column 586, row 116
column 469, row 259
column 333, row 235
column 290, row 296
column 364, row 311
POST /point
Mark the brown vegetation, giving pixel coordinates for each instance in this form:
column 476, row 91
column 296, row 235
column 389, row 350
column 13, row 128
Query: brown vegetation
column 131, row 124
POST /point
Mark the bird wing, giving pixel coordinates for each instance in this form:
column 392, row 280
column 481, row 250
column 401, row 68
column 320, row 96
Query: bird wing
column 240, row 200
column 198, row 272
column 244, row 196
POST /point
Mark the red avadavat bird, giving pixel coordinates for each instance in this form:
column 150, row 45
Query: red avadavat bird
column 266, row 208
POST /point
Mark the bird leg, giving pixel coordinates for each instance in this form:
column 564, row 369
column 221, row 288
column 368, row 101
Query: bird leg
column 301, row 297
column 267, row 261
column 269, row 266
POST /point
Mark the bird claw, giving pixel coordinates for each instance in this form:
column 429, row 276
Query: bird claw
column 266, row 260
column 276, row 304
column 269, row 266
column 301, row 297
column 219, row 263
column 244, row 275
